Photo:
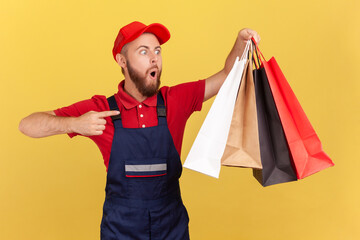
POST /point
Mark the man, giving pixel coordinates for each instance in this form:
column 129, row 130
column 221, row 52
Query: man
column 139, row 132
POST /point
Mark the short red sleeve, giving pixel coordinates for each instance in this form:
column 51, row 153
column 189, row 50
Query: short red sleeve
column 188, row 97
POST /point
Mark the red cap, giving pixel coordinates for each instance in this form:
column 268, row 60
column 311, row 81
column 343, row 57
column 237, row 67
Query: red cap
column 133, row 30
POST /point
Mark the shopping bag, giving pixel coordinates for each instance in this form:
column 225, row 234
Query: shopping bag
column 208, row 147
column 275, row 156
column 242, row 146
column 304, row 144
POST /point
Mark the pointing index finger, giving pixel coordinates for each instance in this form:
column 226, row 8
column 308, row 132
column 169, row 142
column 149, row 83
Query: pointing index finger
column 108, row 113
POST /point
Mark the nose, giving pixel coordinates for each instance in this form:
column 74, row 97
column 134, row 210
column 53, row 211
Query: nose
column 153, row 58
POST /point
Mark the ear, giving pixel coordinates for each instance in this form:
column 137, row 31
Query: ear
column 121, row 60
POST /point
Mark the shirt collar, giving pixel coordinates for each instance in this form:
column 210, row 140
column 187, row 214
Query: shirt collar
column 129, row 102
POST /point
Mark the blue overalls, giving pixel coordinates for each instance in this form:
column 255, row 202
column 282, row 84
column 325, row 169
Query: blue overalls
column 142, row 190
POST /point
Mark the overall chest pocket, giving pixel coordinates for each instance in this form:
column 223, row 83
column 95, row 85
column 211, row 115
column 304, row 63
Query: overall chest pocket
column 146, row 178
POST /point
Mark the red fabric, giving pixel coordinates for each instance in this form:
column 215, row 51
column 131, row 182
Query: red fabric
column 181, row 101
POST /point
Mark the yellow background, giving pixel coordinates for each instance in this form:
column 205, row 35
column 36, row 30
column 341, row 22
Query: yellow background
column 55, row 53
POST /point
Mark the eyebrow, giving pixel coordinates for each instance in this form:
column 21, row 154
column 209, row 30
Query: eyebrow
column 144, row 46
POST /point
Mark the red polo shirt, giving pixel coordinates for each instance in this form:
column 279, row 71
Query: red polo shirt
column 180, row 100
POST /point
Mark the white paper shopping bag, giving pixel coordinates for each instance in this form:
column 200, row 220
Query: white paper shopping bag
column 209, row 145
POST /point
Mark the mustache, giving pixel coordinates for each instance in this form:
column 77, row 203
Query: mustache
column 150, row 69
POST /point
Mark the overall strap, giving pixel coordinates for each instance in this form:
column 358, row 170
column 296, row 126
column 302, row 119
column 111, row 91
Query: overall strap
column 113, row 106
column 161, row 110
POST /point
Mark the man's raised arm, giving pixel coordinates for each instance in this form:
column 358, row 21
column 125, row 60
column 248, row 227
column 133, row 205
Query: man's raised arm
column 214, row 82
column 44, row 124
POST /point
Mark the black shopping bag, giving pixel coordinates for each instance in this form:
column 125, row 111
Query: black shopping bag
column 274, row 152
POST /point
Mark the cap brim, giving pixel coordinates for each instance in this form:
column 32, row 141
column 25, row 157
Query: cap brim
column 159, row 30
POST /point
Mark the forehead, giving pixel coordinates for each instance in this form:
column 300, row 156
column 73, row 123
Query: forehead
column 145, row 39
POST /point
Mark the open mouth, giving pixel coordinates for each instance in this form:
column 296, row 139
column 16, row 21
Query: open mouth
column 153, row 73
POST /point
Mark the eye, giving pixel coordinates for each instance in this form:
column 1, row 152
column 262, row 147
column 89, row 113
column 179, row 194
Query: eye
column 157, row 52
column 143, row 52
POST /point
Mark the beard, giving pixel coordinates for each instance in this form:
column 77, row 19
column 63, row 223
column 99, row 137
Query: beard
column 139, row 82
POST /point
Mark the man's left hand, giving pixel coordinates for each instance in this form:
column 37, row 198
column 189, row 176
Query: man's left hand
column 247, row 33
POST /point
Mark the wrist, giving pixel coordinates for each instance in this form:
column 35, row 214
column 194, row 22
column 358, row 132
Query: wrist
column 69, row 124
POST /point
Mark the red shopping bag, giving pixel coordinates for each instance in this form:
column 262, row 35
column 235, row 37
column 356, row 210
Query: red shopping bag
column 304, row 144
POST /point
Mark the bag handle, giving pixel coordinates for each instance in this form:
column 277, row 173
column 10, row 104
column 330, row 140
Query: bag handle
column 259, row 57
column 255, row 57
column 258, row 50
column 246, row 50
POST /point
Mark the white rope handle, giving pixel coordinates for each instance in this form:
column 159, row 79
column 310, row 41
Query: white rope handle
column 246, row 50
